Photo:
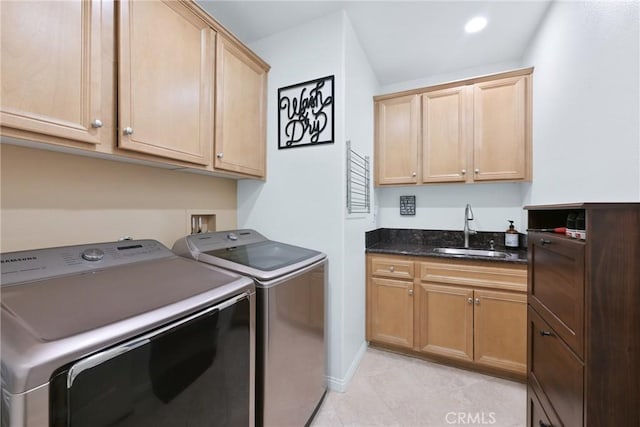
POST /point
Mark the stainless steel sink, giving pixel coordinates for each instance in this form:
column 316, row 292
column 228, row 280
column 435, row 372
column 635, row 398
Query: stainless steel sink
column 474, row 252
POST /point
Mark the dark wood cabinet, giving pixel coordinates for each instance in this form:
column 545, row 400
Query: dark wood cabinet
column 584, row 318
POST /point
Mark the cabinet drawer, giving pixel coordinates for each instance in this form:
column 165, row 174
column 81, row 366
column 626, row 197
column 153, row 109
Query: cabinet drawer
column 556, row 370
column 556, row 285
column 478, row 274
column 392, row 267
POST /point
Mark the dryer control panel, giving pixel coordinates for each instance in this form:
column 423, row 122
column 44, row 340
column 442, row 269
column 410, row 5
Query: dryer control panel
column 25, row 266
column 204, row 242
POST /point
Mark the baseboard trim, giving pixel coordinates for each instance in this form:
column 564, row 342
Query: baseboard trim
column 341, row 384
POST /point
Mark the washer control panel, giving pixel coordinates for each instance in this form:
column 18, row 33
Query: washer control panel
column 223, row 239
column 24, row 266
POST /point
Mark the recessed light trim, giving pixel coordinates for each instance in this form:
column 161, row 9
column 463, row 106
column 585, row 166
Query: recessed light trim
column 475, row 24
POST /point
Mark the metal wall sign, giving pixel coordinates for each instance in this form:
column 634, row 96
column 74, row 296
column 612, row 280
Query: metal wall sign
column 305, row 113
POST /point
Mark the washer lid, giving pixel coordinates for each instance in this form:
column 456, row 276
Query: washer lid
column 265, row 256
column 247, row 252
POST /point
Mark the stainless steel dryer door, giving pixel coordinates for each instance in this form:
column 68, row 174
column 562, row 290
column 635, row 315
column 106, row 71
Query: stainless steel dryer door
column 198, row 371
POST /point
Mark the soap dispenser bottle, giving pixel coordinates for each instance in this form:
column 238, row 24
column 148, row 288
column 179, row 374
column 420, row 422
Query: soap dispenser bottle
column 511, row 236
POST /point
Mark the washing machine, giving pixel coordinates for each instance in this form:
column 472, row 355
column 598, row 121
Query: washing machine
column 125, row 334
column 290, row 287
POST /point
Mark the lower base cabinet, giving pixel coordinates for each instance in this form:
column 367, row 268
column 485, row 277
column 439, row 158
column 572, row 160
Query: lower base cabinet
column 470, row 313
column 392, row 311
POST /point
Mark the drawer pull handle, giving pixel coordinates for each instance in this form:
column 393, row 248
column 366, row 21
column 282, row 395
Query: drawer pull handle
column 392, row 269
column 545, row 242
column 543, row 424
column 546, row 333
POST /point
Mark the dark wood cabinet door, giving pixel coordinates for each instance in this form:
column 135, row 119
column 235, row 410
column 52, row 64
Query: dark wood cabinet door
column 556, row 370
column 556, row 285
column 539, row 414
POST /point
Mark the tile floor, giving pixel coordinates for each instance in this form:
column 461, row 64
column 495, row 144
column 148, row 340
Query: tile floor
column 393, row 390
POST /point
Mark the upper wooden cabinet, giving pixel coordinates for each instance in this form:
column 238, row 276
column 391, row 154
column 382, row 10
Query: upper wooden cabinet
column 165, row 82
column 241, row 92
column 469, row 131
column 51, row 69
column 397, row 128
column 444, row 135
column 500, row 129
column 182, row 84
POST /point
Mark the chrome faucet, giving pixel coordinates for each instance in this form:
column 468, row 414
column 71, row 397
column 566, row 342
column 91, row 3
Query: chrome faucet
column 468, row 216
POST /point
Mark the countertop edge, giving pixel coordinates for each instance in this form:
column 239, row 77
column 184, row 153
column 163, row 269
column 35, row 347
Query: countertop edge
column 427, row 252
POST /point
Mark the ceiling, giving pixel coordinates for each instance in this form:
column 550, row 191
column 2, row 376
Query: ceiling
column 404, row 40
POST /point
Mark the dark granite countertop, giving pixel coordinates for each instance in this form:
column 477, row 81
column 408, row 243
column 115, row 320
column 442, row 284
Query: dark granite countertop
column 413, row 242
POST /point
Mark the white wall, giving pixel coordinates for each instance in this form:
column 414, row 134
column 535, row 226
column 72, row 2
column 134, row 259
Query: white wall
column 441, row 207
column 360, row 86
column 301, row 202
column 586, row 115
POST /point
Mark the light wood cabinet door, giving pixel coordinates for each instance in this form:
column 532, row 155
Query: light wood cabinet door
column 500, row 324
column 390, row 312
column 240, row 131
column 499, row 129
column 445, row 318
column 444, row 135
column 51, row 69
column 397, row 133
column 165, row 81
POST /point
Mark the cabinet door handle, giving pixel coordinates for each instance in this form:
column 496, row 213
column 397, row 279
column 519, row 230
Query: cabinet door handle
column 128, row 130
column 470, row 300
column 410, row 292
column 477, row 301
column 546, row 333
column 392, row 269
column 414, row 174
column 543, row 424
column 545, row 242
column 97, row 123
column 477, row 171
column 220, row 155
column 463, row 171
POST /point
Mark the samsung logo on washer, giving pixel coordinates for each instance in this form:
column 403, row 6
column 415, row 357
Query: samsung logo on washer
column 28, row 258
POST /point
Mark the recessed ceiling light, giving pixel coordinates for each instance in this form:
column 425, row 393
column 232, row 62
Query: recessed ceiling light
column 475, row 24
